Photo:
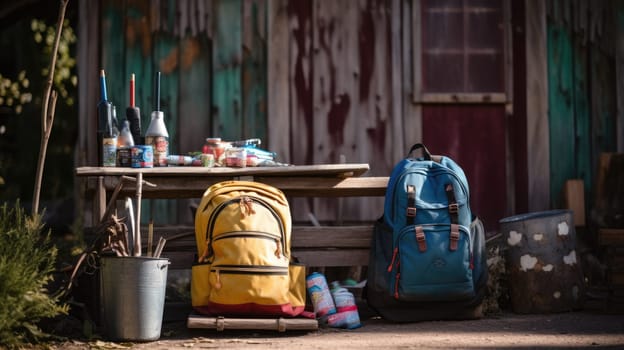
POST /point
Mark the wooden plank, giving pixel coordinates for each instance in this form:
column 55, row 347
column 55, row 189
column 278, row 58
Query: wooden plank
column 195, row 93
column 618, row 15
column 138, row 60
column 322, row 170
column 300, row 93
column 254, row 70
column 113, row 47
column 349, row 237
column 226, row 79
column 313, row 246
column 88, row 73
column 182, row 237
column 332, row 258
column 537, row 134
column 492, row 97
column 226, row 323
column 277, row 82
column 194, row 187
column 611, row 236
column 574, row 199
column 582, row 155
column 561, row 109
column 602, row 100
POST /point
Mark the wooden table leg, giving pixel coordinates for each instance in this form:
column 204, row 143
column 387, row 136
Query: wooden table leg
column 137, row 228
column 100, row 200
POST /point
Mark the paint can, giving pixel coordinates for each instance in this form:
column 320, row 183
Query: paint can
column 544, row 269
column 142, row 156
column 319, row 294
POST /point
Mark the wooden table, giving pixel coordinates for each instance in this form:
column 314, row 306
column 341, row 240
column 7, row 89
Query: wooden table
column 314, row 246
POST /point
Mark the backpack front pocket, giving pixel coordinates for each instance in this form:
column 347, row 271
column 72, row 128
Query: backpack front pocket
column 432, row 263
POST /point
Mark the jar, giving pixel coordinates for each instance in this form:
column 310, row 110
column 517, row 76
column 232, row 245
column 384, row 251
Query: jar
column 216, row 147
column 236, row 157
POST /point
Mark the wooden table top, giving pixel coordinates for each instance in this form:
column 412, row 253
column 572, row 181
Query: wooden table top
column 320, row 170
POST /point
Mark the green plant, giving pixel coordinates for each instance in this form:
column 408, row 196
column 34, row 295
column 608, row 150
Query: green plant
column 27, row 263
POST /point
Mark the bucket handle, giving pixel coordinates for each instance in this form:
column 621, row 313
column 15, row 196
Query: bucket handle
column 164, row 265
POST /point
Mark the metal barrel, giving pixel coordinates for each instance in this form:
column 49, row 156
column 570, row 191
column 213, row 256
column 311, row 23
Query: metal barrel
column 544, row 268
column 133, row 297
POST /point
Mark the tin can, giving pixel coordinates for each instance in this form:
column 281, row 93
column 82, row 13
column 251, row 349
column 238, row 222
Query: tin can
column 160, row 149
column 320, row 295
column 124, row 157
column 142, row 156
column 109, row 151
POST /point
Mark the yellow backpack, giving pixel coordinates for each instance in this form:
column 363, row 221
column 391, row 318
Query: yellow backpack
column 244, row 266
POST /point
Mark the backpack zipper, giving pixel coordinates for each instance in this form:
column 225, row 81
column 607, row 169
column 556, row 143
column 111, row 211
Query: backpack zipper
column 218, row 209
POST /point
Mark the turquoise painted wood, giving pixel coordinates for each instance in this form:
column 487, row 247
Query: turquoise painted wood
column 582, row 120
column 166, row 59
column 254, row 70
column 582, row 105
column 139, row 58
column 227, row 59
column 195, row 92
column 561, row 110
column 113, row 44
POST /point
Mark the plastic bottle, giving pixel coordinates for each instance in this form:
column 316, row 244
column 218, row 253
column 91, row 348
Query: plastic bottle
column 158, row 137
column 347, row 315
column 320, row 295
column 156, row 134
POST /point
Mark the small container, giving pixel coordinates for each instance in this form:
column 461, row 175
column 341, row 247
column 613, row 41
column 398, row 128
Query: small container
column 236, row 157
column 179, row 160
column 320, row 295
column 207, row 159
column 109, row 151
column 215, row 146
column 142, row 156
column 252, row 160
column 124, row 157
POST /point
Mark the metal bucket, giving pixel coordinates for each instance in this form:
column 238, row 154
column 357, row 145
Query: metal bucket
column 133, row 297
column 544, row 269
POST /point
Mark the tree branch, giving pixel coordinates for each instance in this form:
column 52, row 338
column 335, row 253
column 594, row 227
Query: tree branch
column 47, row 108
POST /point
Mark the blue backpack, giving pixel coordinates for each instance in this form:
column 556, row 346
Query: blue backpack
column 428, row 250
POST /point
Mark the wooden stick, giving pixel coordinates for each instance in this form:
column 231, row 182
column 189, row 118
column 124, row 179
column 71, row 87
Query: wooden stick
column 48, row 108
column 159, row 247
column 137, row 230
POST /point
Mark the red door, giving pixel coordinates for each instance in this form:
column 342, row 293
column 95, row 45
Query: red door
column 463, row 95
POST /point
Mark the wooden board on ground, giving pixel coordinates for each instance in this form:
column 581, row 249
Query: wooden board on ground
column 273, row 324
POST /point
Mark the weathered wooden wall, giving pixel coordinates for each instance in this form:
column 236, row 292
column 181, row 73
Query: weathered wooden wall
column 326, row 81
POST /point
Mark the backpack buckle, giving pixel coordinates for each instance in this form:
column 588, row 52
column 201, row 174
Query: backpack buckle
column 453, row 208
column 454, row 237
column 420, row 239
column 411, row 212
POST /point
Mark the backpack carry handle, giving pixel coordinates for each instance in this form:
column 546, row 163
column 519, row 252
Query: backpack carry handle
column 425, row 151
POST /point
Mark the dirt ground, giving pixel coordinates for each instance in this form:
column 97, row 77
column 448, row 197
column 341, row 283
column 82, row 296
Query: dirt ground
column 507, row 331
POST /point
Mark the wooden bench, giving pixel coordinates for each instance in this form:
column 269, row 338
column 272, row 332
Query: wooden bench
column 314, row 246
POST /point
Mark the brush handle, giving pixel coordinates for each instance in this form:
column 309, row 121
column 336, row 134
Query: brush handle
column 132, row 90
column 157, row 93
column 103, row 95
